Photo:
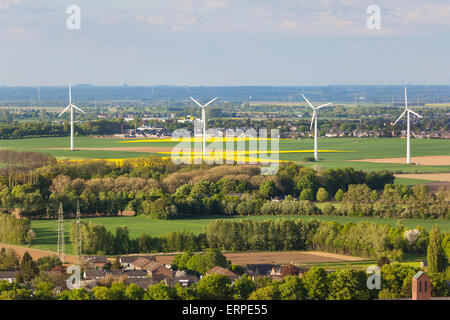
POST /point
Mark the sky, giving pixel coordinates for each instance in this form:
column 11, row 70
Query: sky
column 224, row 42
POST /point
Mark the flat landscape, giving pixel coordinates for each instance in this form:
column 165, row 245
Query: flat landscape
column 367, row 154
column 46, row 230
column 333, row 152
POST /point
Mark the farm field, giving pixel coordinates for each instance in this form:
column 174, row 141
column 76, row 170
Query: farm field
column 46, row 231
column 427, row 176
column 278, row 257
column 410, row 181
column 333, row 152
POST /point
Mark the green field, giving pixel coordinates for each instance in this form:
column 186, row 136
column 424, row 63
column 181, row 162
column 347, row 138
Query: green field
column 357, row 149
column 46, row 230
column 410, row 182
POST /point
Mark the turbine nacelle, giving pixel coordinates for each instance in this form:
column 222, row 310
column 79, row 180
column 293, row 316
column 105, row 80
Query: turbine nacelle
column 314, row 116
column 407, row 110
column 71, row 105
column 204, row 106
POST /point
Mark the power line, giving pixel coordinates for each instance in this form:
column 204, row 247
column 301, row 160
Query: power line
column 61, row 244
column 78, row 252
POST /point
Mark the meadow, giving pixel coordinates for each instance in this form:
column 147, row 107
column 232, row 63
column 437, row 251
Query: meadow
column 46, row 230
column 336, row 152
column 345, row 149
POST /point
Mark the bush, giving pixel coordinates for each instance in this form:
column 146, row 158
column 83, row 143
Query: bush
column 306, row 194
column 381, row 261
column 329, row 210
column 339, row 195
column 266, row 293
column 322, row 195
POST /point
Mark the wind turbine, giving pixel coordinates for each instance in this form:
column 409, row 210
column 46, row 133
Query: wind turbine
column 204, row 121
column 408, row 127
column 314, row 122
column 71, row 107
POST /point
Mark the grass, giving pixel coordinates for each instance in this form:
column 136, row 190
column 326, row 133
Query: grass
column 411, row 182
column 46, row 230
column 359, row 148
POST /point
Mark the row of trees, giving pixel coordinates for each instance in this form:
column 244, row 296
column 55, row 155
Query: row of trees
column 13, row 230
column 364, row 239
column 28, row 129
column 394, row 201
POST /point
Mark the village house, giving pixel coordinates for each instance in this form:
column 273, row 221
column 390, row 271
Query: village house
column 126, row 261
column 219, row 270
column 275, row 273
column 184, row 279
column 154, row 269
column 95, row 261
column 9, row 276
column 258, row 270
column 158, row 271
column 95, row 274
column 142, row 282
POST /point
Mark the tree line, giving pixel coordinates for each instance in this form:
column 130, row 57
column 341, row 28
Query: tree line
column 36, row 129
column 364, row 239
column 160, row 189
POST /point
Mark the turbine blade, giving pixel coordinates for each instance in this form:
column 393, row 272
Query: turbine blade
column 211, row 101
column 70, row 94
column 312, row 120
column 324, row 105
column 401, row 116
column 77, row 108
column 415, row 113
column 406, row 99
column 308, row 102
column 197, row 102
column 64, row 111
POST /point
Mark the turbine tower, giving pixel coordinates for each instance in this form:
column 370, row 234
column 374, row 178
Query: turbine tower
column 71, row 107
column 408, row 127
column 61, row 244
column 204, row 122
column 314, row 122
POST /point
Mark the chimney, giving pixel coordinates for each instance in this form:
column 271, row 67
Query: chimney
column 421, row 287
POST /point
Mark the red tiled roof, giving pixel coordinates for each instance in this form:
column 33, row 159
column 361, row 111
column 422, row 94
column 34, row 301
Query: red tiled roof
column 220, row 270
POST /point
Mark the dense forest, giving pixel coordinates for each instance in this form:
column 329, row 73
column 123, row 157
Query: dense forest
column 160, row 189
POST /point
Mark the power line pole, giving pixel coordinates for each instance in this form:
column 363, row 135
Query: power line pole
column 78, row 232
column 61, row 244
